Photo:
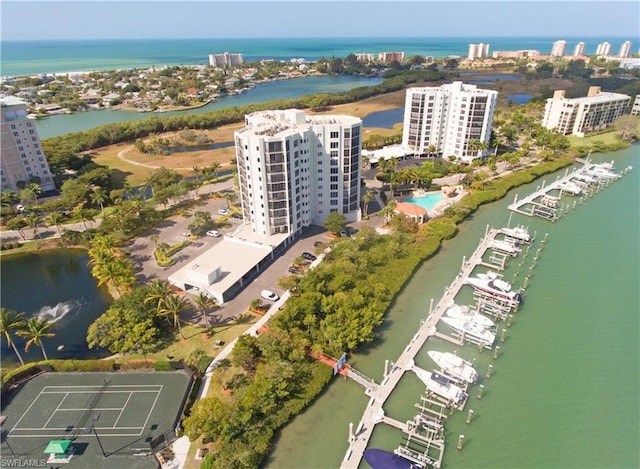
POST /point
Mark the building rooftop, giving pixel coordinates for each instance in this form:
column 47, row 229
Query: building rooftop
column 12, row 101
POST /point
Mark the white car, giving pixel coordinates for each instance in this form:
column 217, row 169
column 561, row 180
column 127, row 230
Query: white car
column 213, row 233
column 223, row 211
column 269, row 295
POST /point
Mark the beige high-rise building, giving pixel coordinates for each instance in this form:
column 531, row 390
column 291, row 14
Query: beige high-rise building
column 625, row 50
column 579, row 50
column 448, row 117
column 23, row 159
column 558, row 49
column 224, row 60
column 578, row 116
column 604, row 49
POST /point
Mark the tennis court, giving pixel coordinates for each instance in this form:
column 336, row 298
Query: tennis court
column 108, row 416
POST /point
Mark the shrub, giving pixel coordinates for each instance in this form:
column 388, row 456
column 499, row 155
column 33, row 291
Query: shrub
column 162, row 365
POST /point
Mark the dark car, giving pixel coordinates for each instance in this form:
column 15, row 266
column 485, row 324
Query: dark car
column 317, row 243
column 237, row 215
column 308, row 256
column 294, row 270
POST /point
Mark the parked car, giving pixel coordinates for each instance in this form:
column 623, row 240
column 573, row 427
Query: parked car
column 269, row 295
column 343, row 233
column 294, row 270
column 213, row 233
column 237, row 215
column 317, row 244
column 308, row 256
column 223, row 211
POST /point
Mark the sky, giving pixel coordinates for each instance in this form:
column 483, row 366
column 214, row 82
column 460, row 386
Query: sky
column 118, row 19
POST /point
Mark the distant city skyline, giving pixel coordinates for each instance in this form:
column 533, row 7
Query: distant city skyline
column 156, row 19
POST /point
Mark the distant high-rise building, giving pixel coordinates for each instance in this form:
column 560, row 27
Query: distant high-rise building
column 225, row 59
column 635, row 109
column 386, row 57
column 578, row 116
column 478, row 51
column 625, row 49
column 295, row 169
column 579, row 50
column 449, row 117
column 604, row 49
column 23, row 159
column 558, row 49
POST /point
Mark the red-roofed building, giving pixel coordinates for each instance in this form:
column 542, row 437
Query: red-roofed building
column 414, row 211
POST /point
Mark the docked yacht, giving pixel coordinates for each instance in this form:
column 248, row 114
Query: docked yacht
column 466, row 313
column 584, row 179
column 471, row 331
column 518, row 233
column 441, row 385
column 454, row 366
column 601, row 172
column 570, row 187
column 505, row 247
column 491, row 284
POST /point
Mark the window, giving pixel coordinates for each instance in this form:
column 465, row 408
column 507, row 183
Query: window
column 335, row 134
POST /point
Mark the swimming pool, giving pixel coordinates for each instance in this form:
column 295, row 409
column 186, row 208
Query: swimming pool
column 427, row 201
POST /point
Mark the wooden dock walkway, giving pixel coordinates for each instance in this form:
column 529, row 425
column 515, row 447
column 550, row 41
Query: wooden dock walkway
column 374, row 412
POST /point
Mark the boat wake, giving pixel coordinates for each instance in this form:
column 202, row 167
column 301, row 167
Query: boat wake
column 57, row 312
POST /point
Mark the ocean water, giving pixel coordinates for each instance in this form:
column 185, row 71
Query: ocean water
column 34, row 57
column 564, row 392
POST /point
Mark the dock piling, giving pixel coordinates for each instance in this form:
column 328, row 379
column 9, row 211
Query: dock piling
column 469, row 415
column 480, row 389
column 460, row 440
column 496, row 352
column 489, row 371
column 503, row 335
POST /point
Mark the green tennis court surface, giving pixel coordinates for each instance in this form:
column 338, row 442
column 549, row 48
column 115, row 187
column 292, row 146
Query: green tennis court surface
column 111, row 418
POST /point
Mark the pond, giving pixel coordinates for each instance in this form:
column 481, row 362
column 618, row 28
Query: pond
column 519, row 98
column 384, row 119
column 56, row 285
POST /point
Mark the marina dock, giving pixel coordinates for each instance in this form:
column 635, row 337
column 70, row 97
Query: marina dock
column 374, row 412
column 546, row 201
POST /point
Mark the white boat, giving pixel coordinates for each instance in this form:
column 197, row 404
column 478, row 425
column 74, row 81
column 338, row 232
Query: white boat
column 491, row 284
column 519, row 233
column 441, row 385
column 466, row 313
column 601, row 172
column 505, row 247
column 570, row 188
column 584, row 178
column 471, row 330
column 454, row 366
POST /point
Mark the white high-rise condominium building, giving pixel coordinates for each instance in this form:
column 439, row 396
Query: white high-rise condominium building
column 23, row 159
column 604, row 49
column 558, row 49
column 625, row 50
column 448, row 117
column 578, row 116
column 635, row 109
column 579, row 50
column 225, row 59
column 295, row 169
column 478, row 51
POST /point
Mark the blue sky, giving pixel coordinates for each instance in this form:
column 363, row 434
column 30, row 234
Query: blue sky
column 89, row 19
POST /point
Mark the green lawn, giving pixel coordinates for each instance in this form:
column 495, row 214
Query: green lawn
column 606, row 138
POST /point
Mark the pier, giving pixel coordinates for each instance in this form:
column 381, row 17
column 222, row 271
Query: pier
column 378, row 394
column 581, row 182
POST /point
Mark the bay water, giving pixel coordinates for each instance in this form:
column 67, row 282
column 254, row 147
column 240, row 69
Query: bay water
column 564, row 392
column 52, row 126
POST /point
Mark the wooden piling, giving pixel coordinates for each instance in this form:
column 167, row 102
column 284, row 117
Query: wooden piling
column 460, row 440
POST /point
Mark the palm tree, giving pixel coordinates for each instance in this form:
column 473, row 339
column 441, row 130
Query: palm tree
column 99, row 197
column 11, row 321
column 366, row 199
column 33, row 221
column 158, row 290
column 8, row 198
column 204, row 302
column 197, row 170
column 229, row 197
column 432, row 150
column 55, row 219
column 173, row 305
column 35, row 330
column 213, row 167
column 36, row 189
